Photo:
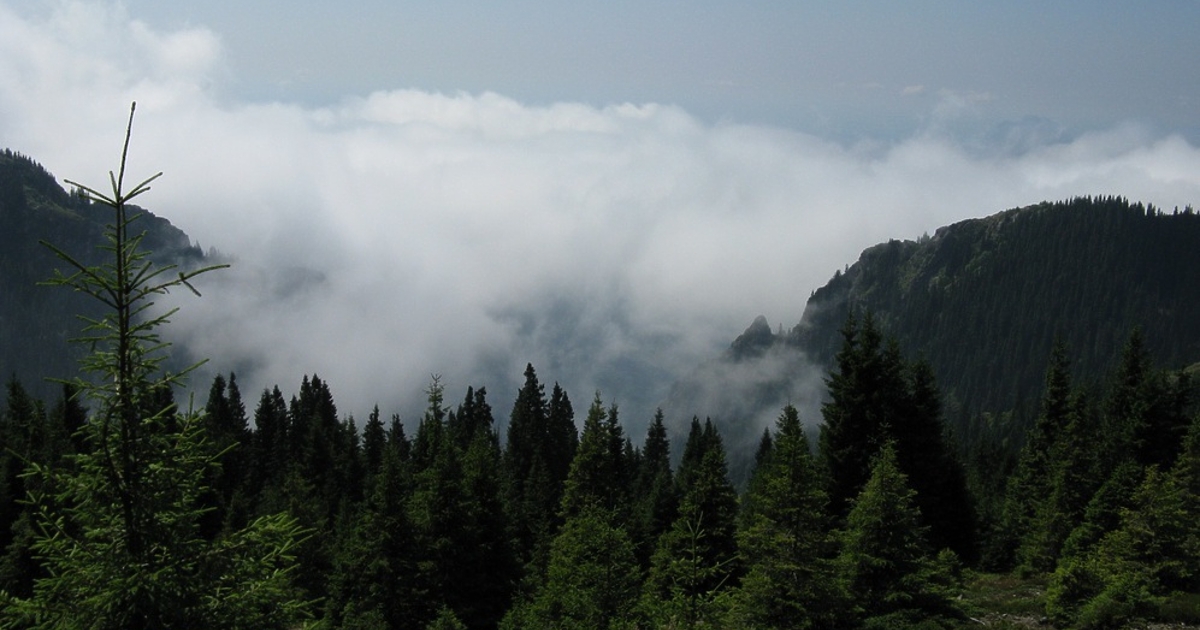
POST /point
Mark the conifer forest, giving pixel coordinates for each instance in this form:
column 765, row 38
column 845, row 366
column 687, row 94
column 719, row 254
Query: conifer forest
column 126, row 504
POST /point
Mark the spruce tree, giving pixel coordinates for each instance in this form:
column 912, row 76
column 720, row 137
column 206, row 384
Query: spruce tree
column 1072, row 481
column 541, row 443
column 372, row 582
column 491, row 572
column 1030, row 483
column 654, row 500
column 596, row 477
column 592, row 579
column 934, row 469
column 437, row 510
column 866, row 398
column 784, row 541
column 374, row 441
column 119, row 528
column 884, row 560
column 695, row 565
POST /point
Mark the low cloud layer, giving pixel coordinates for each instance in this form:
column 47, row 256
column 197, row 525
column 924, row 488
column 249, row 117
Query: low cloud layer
column 404, row 233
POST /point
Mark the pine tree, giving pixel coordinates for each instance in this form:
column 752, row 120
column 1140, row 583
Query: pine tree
column 541, row 443
column 1154, row 551
column 119, row 528
column 437, row 509
column 592, row 579
column 655, row 499
column 1073, row 480
column 875, row 396
column 1030, row 484
column 271, row 443
column 374, row 441
column 866, row 397
column 596, row 478
column 224, row 421
column 491, row 573
column 884, row 560
column 933, row 468
column 371, row 584
column 784, row 542
column 695, row 565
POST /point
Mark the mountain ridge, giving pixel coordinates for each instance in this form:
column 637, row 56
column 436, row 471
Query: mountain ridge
column 983, row 300
column 37, row 321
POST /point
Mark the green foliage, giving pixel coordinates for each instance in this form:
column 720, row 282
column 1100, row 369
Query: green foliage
column 1090, row 268
column 695, row 565
column 372, row 582
column 140, row 515
column 599, row 477
column 655, row 499
column 784, row 539
column 464, row 560
column 446, row 620
column 875, row 396
column 884, row 559
column 1154, row 551
column 592, row 579
column 1031, row 483
column 118, row 529
column 537, row 457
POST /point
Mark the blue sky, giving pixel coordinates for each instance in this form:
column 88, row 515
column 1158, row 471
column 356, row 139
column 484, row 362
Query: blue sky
column 845, row 69
column 601, row 189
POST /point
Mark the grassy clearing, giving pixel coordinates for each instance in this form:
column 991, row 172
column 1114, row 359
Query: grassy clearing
column 1004, row 601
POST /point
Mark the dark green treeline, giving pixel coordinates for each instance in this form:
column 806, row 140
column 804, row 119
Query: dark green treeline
column 866, row 523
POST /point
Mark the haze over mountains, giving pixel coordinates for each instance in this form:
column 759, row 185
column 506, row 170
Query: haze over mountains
column 420, row 227
column 982, row 299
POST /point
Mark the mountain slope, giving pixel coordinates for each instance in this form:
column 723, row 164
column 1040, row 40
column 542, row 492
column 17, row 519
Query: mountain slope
column 36, row 321
column 983, row 301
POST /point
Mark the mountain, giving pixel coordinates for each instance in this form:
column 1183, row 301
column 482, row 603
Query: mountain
column 983, row 301
column 36, row 321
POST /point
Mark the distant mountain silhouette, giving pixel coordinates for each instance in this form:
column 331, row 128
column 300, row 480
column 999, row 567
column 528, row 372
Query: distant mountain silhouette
column 983, row 300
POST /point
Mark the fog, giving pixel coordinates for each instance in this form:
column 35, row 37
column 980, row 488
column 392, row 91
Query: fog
column 403, row 233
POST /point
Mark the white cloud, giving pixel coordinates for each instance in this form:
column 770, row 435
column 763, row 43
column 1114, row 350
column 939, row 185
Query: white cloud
column 403, row 233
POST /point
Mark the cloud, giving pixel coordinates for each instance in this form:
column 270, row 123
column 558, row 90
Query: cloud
column 401, row 233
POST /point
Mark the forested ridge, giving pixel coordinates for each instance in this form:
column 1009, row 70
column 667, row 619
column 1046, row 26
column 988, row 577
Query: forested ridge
column 120, row 507
column 36, row 321
column 983, row 301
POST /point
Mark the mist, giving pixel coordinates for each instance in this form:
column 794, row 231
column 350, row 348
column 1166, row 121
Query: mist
column 394, row 235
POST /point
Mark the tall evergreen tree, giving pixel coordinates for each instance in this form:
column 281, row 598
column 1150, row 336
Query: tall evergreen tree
column 1072, row 482
column 655, row 499
column 934, row 469
column 1031, row 481
column 866, row 392
column 491, row 571
column 541, row 443
column 438, row 509
column 374, row 443
column 372, row 583
column 884, row 559
column 592, row 579
column 875, row 396
column 271, row 441
column 784, row 540
column 695, row 566
column 121, row 540
column 596, row 478
column 224, row 422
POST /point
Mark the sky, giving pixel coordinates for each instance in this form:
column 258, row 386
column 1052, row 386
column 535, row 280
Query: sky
column 609, row 191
